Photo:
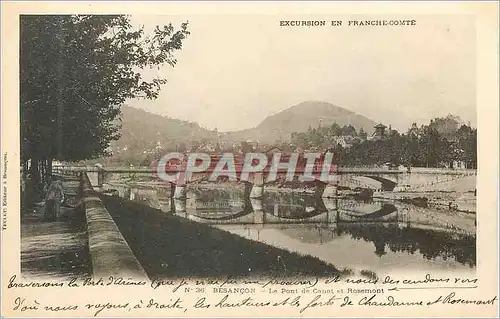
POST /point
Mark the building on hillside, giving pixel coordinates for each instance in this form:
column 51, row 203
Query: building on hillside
column 237, row 147
column 459, row 165
column 208, row 147
column 343, row 141
column 271, row 150
column 362, row 135
column 379, row 133
column 249, row 146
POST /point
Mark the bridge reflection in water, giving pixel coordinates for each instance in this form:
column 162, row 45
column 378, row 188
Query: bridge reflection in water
column 375, row 235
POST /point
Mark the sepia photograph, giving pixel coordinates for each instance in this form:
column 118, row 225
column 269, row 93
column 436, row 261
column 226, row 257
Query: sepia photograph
column 324, row 159
column 404, row 153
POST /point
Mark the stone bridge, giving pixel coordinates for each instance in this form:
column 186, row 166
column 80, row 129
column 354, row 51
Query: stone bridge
column 400, row 180
column 378, row 179
column 258, row 212
column 257, row 215
column 283, row 211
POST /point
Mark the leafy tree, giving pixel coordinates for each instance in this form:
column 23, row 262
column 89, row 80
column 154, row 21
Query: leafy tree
column 75, row 73
column 246, row 147
column 301, row 140
column 439, row 143
column 349, row 130
column 413, row 131
column 362, row 134
column 468, row 145
column 431, row 142
column 411, row 150
column 446, row 126
column 335, row 129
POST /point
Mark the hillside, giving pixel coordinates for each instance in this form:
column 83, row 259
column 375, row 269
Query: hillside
column 145, row 133
column 298, row 118
column 142, row 130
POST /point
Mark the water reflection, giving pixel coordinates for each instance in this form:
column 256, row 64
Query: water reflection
column 376, row 235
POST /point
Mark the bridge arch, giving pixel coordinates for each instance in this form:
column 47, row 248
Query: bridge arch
column 311, row 214
column 387, row 184
column 384, row 211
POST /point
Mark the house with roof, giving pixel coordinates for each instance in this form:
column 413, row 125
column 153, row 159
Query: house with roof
column 272, row 149
column 379, row 133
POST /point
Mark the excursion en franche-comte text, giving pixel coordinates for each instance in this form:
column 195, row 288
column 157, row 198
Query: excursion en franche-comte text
column 348, row 23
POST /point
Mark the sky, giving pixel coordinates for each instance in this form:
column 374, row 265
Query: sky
column 235, row 70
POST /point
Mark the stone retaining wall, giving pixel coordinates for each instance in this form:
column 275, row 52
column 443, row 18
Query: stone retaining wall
column 110, row 253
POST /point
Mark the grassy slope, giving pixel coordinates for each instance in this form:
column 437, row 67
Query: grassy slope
column 170, row 246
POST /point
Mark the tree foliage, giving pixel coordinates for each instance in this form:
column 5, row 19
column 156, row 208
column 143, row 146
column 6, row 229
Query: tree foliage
column 440, row 143
column 75, row 73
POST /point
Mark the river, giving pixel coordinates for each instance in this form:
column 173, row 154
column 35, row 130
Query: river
column 381, row 236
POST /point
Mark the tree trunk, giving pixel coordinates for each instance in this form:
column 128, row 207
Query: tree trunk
column 25, row 168
column 43, row 171
column 35, row 179
column 34, row 171
column 49, row 166
column 59, row 91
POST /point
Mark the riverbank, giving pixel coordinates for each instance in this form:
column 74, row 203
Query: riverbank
column 170, row 246
column 449, row 201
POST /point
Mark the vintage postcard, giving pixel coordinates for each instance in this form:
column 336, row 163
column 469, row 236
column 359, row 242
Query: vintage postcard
column 249, row 159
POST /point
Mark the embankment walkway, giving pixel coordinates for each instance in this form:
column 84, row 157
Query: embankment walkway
column 55, row 248
column 83, row 242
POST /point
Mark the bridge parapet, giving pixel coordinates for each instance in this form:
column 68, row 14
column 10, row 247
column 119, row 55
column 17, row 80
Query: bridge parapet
column 389, row 179
column 110, row 253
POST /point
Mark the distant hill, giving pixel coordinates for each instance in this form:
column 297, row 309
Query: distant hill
column 143, row 132
column 298, row 118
